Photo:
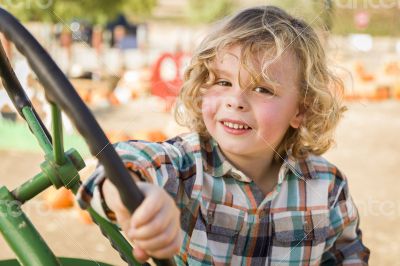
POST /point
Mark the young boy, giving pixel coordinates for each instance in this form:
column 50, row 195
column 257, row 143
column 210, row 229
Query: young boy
column 248, row 184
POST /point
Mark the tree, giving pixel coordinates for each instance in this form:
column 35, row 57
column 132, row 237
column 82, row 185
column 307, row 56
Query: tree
column 209, row 10
column 29, row 9
column 95, row 11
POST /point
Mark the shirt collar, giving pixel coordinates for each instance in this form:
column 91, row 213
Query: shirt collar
column 302, row 168
column 216, row 164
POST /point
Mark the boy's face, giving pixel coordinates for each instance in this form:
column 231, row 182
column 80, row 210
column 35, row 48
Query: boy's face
column 267, row 115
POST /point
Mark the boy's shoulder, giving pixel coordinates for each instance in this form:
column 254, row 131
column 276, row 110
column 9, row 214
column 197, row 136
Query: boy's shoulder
column 322, row 172
column 318, row 167
column 189, row 142
column 187, row 138
column 194, row 143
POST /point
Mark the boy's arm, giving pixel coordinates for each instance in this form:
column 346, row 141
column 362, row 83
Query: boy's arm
column 154, row 227
column 344, row 246
column 156, row 163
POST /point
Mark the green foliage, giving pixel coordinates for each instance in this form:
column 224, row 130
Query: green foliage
column 29, row 9
column 382, row 22
column 338, row 15
column 315, row 12
column 95, row 11
column 209, row 10
column 139, row 8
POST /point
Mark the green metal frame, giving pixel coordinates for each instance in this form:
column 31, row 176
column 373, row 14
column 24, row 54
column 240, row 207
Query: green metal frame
column 60, row 169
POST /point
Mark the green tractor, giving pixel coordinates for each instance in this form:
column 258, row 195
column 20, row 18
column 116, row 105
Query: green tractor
column 60, row 168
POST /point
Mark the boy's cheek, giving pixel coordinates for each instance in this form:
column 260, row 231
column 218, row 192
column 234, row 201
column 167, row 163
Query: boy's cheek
column 209, row 111
column 209, row 105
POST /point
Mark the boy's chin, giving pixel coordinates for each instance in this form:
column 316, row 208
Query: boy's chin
column 233, row 147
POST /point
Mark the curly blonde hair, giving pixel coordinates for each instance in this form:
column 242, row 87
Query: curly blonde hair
column 264, row 30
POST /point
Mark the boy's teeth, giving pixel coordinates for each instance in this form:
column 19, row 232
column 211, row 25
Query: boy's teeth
column 235, row 126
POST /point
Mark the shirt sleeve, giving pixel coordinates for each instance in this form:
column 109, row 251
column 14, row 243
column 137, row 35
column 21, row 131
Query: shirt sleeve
column 153, row 162
column 344, row 245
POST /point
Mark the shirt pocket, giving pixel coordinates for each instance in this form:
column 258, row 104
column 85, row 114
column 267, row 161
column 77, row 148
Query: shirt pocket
column 223, row 220
column 300, row 236
column 296, row 226
column 213, row 242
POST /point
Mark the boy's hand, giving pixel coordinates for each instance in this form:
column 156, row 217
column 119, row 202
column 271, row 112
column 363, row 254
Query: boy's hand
column 154, row 227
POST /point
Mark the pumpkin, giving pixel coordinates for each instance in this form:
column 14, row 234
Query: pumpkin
column 113, row 99
column 156, row 136
column 61, row 198
column 382, row 92
column 85, row 216
column 116, row 136
column 362, row 73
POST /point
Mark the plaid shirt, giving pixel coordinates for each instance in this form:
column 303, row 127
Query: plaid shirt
column 309, row 218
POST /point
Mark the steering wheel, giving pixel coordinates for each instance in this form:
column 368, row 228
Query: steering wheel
column 60, row 92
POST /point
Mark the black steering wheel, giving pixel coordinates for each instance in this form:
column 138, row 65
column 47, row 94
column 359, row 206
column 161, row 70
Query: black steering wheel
column 60, row 91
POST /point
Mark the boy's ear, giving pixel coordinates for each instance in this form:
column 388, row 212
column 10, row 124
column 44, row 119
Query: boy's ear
column 298, row 118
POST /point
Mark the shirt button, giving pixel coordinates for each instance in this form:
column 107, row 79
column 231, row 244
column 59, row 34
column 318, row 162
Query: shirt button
column 236, row 176
column 210, row 216
column 307, row 227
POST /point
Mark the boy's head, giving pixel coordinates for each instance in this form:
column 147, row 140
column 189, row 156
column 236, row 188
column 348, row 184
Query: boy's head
column 266, row 36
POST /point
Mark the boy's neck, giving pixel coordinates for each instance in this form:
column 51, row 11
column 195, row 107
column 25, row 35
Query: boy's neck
column 263, row 170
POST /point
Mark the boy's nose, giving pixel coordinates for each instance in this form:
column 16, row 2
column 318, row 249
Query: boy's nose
column 236, row 102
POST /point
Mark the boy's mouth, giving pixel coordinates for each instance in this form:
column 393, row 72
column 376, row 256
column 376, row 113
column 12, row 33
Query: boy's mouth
column 235, row 124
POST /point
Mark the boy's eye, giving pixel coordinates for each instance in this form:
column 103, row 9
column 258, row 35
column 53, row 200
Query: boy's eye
column 223, row 83
column 263, row 90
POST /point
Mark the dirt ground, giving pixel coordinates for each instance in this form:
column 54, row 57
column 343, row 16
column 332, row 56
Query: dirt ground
column 367, row 151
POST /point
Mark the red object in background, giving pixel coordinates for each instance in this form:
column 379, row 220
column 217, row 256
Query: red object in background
column 167, row 73
column 361, row 20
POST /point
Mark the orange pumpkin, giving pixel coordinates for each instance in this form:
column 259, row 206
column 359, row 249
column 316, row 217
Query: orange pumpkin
column 113, row 100
column 392, row 69
column 61, row 198
column 156, row 136
column 367, row 77
column 85, row 217
column 115, row 136
column 362, row 73
column 382, row 92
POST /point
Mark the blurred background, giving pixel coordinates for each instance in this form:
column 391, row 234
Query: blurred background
column 126, row 59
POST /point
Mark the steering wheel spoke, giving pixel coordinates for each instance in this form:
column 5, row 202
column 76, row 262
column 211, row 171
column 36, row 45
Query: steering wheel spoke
column 58, row 145
column 37, row 130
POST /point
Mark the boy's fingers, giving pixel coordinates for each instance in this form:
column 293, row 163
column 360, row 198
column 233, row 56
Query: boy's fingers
column 146, row 188
column 160, row 240
column 155, row 226
column 123, row 221
column 168, row 251
column 113, row 202
column 140, row 254
column 148, row 208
